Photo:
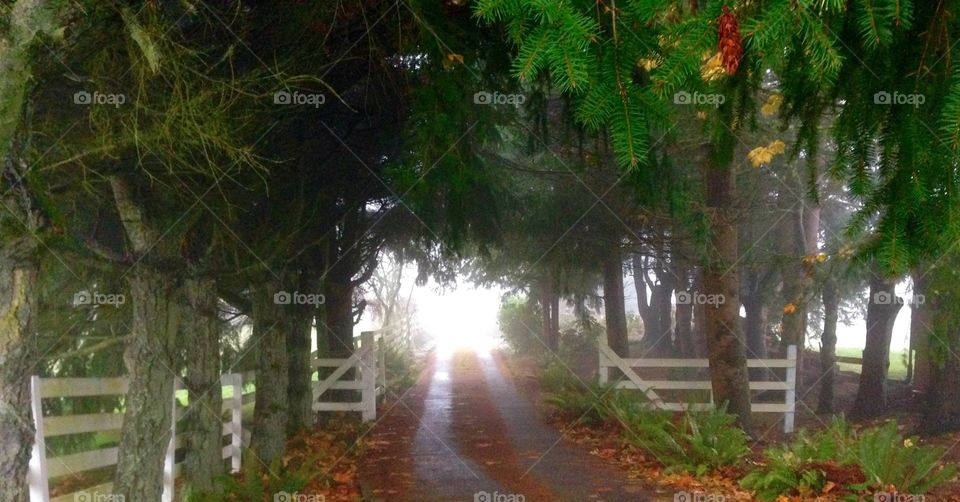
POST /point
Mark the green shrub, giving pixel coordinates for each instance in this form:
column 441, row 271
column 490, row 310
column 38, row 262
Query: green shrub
column 873, row 460
column 556, row 377
column 889, row 459
column 594, row 404
column 797, row 468
column 695, row 442
column 520, row 324
column 254, row 484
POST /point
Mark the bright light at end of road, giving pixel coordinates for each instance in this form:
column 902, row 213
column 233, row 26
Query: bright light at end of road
column 464, row 318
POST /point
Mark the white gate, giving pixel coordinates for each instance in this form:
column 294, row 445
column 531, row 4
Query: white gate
column 609, row 359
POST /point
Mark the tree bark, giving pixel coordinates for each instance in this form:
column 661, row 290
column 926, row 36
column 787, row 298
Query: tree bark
column 828, row 347
column 148, row 410
column 149, row 355
column 18, row 353
column 299, row 371
column 271, row 409
column 19, row 264
column 614, row 307
column 339, row 330
column 728, row 362
column 940, row 412
column 204, row 461
column 549, row 310
column 921, row 321
column 684, row 320
column 882, row 310
column 755, row 325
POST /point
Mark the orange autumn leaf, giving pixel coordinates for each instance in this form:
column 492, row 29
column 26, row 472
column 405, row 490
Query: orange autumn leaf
column 789, row 308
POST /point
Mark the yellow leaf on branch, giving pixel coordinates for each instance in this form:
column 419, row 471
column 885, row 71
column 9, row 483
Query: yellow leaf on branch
column 763, row 155
column 772, row 105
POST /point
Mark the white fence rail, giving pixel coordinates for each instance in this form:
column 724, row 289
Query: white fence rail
column 370, row 380
column 609, row 359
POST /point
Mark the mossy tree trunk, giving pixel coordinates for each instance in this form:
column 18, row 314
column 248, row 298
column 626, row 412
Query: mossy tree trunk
column 614, row 308
column 725, row 344
column 271, row 321
column 828, row 346
column 151, row 367
column 882, row 310
column 201, row 324
column 19, row 263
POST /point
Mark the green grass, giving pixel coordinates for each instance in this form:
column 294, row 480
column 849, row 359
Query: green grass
column 898, row 365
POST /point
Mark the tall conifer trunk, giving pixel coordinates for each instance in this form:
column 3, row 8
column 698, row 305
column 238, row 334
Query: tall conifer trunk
column 725, row 344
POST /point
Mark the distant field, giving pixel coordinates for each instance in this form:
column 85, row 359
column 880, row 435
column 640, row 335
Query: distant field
column 898, row 364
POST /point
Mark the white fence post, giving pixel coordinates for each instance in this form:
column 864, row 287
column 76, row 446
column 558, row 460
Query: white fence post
column 382, row 363
column 368, row 365
column 236, row 420
column 37, row 475
column 168, row 461
column 791, row 394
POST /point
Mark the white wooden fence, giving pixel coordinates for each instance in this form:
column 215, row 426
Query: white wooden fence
column 370, row 380
column 609, row 359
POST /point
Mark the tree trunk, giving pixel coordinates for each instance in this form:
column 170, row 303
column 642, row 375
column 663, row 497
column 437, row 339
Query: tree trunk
column 549, row 325
column 921, row 320
column 794, row 320
column 882, row 310
column 19, row 265
column 204, row 461
column 149, row 355
column 299, row 371
column 18, row 356
column 940, row 412
column 755, row 329
column 728, row 363
column 828, row 347
column 148, row 412
column 699, row 318
column 339, row 331
column 644, row 307
column 683, row 315
column 271, row 410
column 614, row 308
column 755, row 325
